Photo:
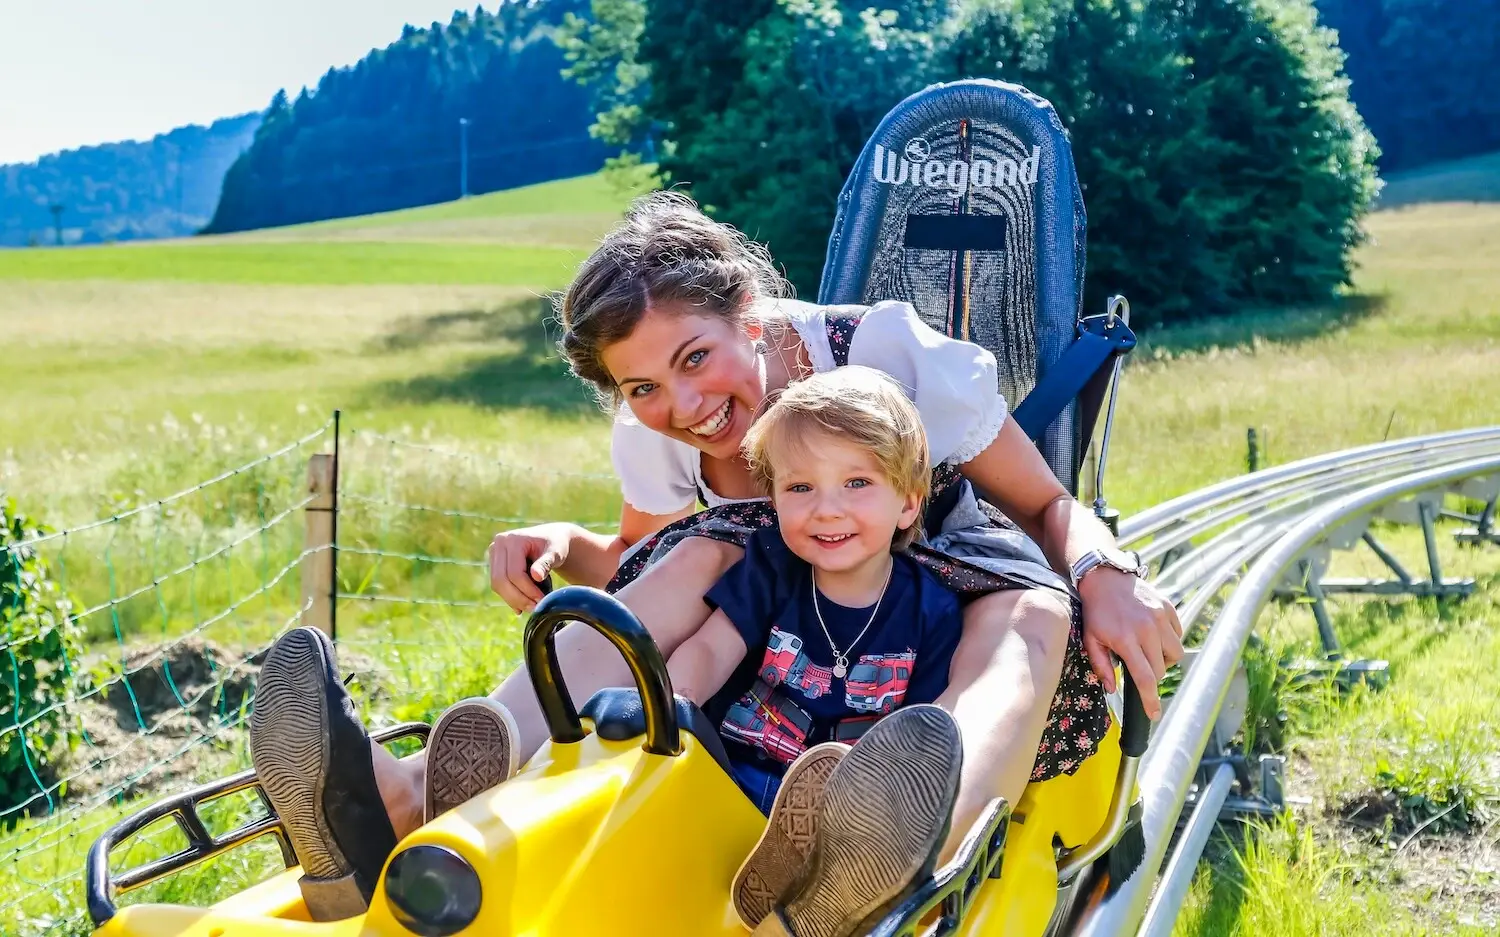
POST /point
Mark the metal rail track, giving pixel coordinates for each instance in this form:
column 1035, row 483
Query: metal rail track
column 1246, row 533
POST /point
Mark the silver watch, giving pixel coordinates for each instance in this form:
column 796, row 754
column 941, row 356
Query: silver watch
column 1126, row 561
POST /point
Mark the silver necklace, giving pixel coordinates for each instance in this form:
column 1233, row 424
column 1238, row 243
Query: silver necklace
column 841, row 658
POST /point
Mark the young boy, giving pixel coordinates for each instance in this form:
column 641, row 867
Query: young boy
column 824, row 626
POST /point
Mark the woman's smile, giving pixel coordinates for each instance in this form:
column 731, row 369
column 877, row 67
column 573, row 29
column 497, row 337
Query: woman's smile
column 716, row 422
column 675, row 364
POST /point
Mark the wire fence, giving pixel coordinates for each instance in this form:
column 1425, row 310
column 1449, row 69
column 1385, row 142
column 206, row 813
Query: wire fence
column 168, row 608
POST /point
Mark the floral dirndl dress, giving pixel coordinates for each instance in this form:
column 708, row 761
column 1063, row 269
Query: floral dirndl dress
column 970, row 546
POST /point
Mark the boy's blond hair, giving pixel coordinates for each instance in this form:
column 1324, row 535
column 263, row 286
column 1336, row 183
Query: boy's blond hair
column 855, row 404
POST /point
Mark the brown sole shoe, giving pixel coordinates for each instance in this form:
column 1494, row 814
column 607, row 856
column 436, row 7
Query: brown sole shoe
column 886, row 812
column 777, row 859
column 472, row 749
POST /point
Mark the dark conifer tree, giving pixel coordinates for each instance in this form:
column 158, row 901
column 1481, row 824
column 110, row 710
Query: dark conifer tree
column 384, row 133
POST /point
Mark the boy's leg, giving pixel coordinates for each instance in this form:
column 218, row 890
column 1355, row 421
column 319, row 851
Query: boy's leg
column 885, row 814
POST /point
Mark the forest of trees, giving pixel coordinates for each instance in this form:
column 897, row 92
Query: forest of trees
column 1221, row 160
column 385, row 132
column 1423, row 74
column 163, row 187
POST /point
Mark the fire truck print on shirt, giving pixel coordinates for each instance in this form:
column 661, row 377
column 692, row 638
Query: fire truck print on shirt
column 784, row 697
column 770, row 718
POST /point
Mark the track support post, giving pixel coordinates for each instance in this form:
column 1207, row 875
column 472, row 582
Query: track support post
column 1486, row 491
column 1483, row 530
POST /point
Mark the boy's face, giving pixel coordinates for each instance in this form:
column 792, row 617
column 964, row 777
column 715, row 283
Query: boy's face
column 837, row 509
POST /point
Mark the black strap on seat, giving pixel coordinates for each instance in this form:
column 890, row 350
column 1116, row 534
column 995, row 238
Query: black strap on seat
column 1101, row 339
column 955, row 232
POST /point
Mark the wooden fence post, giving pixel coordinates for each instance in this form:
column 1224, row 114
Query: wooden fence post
column 318, row 562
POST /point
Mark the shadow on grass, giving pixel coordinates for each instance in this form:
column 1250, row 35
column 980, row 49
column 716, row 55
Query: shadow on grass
column 525, row 370
column 1244, row 330
column 1399, row 631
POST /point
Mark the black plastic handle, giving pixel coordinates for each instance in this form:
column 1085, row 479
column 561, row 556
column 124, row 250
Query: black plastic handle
column 1135, row 727
column 100, row 884
column 606, row 615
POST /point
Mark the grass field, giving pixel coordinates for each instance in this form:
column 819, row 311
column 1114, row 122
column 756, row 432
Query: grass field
column 137, row 370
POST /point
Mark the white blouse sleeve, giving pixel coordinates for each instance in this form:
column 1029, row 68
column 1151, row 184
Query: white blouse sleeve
column 952, row 382
column 656, row 472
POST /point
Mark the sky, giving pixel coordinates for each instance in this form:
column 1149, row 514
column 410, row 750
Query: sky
column 79, row 72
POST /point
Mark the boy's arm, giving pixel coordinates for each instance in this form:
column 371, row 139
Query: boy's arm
column 701, row 665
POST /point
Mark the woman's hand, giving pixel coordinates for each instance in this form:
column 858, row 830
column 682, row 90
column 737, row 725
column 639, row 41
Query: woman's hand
column 519, row 559
column 1126, row 617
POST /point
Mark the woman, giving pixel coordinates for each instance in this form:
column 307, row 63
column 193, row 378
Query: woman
column 679, row 324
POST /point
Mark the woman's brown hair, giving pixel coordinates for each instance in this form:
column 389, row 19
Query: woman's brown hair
column 665, row 251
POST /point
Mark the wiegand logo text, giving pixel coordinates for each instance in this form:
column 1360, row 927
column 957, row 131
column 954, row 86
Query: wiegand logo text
column 915, row 165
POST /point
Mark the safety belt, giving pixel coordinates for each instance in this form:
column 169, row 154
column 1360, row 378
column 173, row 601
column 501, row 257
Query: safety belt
column 1101, row 339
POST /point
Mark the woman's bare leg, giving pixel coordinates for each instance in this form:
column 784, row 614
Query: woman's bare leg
column 1001, row 684
column 667, row 600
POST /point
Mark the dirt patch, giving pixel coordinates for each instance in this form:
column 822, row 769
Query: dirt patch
column 1441, row 879
column 195, row 676
column 1440, row 876
column 1460, row 873
column 180, row 717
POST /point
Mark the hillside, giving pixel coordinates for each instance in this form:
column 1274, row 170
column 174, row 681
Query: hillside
column 385, row 133
column 1476, row 179
column 163, row 187
column 1420, row 73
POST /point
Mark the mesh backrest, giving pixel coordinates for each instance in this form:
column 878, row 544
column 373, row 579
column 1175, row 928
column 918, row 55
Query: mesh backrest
column 965, row 204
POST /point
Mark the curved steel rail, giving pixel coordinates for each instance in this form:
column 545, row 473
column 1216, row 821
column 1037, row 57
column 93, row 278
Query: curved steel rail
column 1316, row 497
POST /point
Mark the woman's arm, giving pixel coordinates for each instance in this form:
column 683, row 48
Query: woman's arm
column 703, row 662
column 1123, row 615
column 593, row 557
column 519, row 559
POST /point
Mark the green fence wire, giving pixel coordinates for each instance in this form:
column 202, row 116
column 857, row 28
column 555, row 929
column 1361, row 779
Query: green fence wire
column 171, row 603
column 177, row 599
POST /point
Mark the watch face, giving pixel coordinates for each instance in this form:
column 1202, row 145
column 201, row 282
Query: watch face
column 1124, row 560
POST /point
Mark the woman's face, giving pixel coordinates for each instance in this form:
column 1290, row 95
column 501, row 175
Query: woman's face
column 692, row 377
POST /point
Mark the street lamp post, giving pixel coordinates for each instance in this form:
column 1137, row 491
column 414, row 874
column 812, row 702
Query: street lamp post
column 463, row 157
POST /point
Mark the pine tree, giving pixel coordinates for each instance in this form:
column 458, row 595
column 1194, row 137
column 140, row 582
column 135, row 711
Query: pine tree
column 383, row 133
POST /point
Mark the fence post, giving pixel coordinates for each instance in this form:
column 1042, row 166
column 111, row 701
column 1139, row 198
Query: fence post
column 318, row 561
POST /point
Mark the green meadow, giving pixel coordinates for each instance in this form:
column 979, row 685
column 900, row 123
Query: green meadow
column 134, row 371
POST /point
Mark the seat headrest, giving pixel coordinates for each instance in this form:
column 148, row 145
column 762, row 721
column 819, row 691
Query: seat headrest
column 965, row 204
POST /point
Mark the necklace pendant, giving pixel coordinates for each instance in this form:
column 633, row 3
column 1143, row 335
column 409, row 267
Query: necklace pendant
column 840, row 668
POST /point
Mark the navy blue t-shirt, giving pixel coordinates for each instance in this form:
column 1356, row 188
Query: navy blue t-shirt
column 785, row 697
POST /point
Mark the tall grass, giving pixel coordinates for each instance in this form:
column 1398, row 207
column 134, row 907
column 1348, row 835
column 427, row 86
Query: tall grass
column 1280, row 879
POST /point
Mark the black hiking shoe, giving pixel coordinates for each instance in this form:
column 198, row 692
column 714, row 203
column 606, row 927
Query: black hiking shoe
column 312, row 755
column 885, row 814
